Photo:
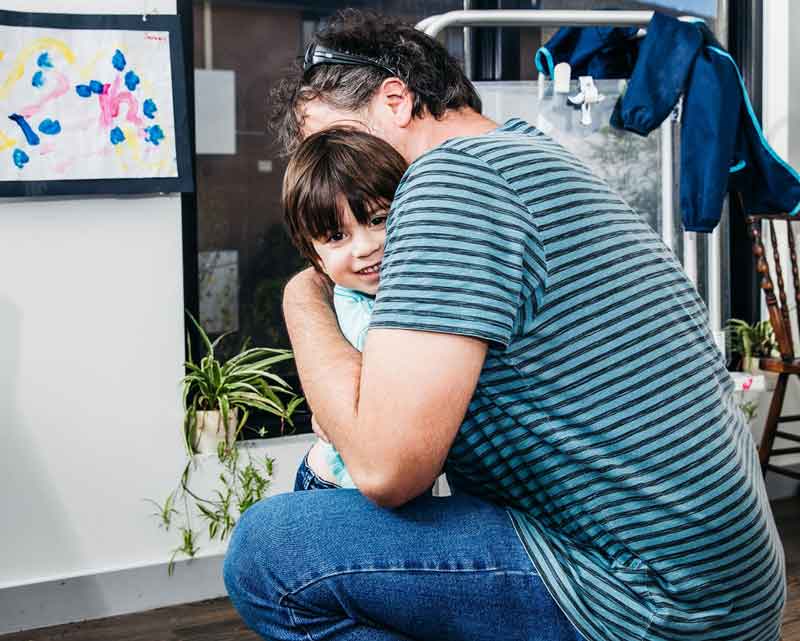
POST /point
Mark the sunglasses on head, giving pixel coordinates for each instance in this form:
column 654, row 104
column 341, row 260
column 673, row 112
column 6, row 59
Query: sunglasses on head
column 316, row 54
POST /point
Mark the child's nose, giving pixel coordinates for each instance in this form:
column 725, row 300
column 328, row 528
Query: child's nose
column 364, row 245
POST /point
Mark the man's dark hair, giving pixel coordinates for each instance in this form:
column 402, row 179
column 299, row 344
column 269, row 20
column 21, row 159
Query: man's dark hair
column 432, row 75
column 328, row 169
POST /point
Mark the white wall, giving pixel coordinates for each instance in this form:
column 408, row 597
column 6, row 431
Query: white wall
column 91, row 351
column 794, row 85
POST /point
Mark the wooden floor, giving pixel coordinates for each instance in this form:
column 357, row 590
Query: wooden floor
column 217, row 621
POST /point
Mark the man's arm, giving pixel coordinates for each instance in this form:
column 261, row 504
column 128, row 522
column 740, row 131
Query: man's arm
column 393, row 417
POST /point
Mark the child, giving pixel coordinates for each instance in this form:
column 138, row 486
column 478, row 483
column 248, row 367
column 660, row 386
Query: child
column 337, row 190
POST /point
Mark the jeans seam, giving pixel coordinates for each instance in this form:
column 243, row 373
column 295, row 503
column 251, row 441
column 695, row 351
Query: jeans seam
column 415, row 570
column 296, row 624
column 290, row 609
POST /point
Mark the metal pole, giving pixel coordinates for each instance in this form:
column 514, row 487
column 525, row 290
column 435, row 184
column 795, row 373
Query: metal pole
column 715, row 240
column 690, row 255
column 667, row 205
column 532, row 17
column 468, row 45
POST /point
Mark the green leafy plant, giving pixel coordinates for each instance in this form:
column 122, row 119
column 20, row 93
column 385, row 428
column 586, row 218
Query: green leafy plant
column 240, row 383
column 755, row 340
column 749, row 409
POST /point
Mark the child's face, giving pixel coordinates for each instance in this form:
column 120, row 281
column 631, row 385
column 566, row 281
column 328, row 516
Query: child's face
column 352, row 256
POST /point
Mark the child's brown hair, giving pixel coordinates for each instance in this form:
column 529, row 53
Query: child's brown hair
column 331, row 165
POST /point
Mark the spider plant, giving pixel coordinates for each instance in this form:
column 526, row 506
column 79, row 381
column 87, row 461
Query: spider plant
column 242, row 382
column 752, row 341
column 238, row 384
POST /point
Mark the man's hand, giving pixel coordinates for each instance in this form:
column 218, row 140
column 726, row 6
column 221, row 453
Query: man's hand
column 306, row 286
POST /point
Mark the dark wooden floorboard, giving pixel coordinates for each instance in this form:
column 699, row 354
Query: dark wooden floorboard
column 216, row 620
column 213, row 620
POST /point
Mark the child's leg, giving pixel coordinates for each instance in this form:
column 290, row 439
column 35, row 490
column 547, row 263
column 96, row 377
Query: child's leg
column 313, row 473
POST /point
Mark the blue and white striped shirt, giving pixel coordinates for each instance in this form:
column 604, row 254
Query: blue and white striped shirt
column 603, row 417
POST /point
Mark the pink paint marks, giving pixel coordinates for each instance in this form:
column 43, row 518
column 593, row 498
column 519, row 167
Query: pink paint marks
column 47, row 149
column 61, row 88
column 106, row 104
column 110, row 100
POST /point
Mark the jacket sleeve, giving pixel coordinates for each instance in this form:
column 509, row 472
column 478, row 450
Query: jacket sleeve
column 709, row 130
column 665, row 61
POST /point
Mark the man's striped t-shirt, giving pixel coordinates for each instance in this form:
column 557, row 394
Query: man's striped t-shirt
column 604, row 417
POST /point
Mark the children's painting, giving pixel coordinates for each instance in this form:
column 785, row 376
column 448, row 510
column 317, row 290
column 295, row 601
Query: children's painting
column 87, row 109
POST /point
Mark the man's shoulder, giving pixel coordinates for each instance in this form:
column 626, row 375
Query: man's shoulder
column 513, row 138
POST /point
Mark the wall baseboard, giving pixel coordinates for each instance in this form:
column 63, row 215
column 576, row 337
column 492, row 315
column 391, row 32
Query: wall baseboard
column 108, row 594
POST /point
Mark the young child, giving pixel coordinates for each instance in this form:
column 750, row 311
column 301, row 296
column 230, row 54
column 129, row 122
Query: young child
column 337, row 190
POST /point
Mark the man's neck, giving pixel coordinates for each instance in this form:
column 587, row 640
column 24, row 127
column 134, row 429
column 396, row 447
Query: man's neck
column 431, row 132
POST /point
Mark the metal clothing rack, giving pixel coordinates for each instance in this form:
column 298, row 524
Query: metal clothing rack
column 433, row 25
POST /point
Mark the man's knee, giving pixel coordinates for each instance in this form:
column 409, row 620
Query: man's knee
column 255, row 546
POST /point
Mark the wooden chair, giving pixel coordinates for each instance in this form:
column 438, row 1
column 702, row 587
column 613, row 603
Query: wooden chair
column 779, row 316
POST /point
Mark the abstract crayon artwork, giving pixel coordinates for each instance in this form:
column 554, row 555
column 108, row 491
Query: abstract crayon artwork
column 84, row 104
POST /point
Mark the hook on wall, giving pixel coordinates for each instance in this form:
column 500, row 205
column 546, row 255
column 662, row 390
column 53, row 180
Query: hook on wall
column 147, row 11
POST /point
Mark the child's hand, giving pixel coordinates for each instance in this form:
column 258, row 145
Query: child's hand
column 318, row 430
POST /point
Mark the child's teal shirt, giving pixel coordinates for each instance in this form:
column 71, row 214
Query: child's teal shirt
column 353, row 312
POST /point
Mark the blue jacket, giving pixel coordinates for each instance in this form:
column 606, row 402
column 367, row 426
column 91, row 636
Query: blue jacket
column 601, row 52
column 722, row 145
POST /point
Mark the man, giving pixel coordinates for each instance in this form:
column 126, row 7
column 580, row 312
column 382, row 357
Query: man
column 533, row 338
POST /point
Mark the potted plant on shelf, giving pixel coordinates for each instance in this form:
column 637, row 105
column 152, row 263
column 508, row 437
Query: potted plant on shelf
column 217, row 397
column 752, row 342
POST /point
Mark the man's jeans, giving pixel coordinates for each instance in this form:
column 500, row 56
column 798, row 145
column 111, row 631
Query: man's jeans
column 314, row 566
column 307, row 479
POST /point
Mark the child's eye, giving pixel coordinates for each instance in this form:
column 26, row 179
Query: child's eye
column 335, row 237
column 378, row 220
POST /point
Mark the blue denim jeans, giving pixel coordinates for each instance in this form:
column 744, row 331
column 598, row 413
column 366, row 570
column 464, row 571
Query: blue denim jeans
column 324, row 566
column 306, row 479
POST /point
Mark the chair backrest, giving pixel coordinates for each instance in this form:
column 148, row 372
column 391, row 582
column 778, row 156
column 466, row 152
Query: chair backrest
column 777, row 306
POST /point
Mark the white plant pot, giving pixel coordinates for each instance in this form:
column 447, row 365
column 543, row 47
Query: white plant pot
column 210, row 431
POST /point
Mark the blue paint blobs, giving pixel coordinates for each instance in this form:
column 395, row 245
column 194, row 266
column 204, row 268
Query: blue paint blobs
column 50, row 127
column 38, row 79
column 131, row 80
column 30, row 134
column 96, row 86
column 20, row 158
column 44, row 60
column 117, row 136
column 154, row 134
column 84, row 91
column 118, row 60
column 149, row 108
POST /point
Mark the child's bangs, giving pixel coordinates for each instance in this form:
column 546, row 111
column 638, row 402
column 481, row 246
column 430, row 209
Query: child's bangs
column 323, row 212
column 321, row 209
column 368, row 197
column 365, row 205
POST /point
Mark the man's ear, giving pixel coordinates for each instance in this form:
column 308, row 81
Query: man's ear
column 396, row 98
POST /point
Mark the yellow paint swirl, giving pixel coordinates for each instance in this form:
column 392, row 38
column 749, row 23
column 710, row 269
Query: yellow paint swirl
column 18, row 70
